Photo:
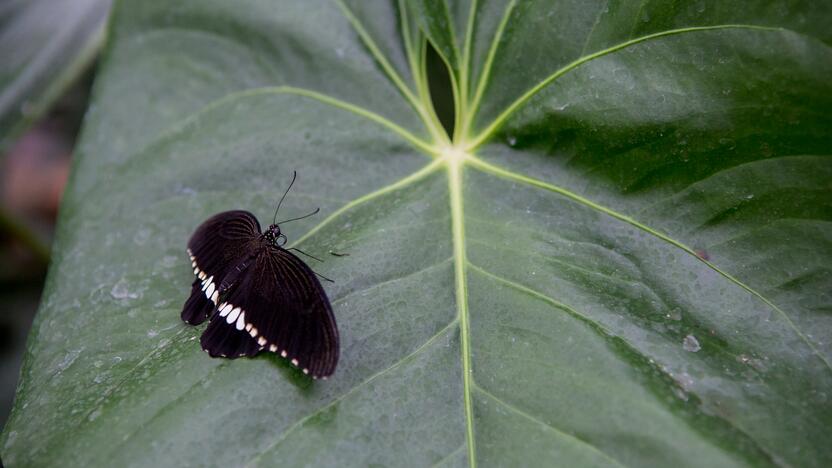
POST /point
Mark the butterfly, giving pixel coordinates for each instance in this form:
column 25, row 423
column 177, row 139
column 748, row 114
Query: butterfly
column 259, row 296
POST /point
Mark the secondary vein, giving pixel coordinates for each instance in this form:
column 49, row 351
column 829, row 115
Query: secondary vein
column 506, row 174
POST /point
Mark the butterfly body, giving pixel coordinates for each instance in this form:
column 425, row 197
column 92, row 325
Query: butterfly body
column 258, row 296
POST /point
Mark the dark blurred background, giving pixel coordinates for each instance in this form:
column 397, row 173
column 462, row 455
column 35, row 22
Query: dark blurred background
column 34, row 171
column 48, row 54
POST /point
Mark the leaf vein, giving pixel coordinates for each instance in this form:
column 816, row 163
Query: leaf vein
column 512, row 108
column 300, row 422
column 500, row 172
column 607, row 334
column 392, row 280
column 403, row 182
column 388, row 69
column 447, row 457
column 487, row 67
column 594, row 25
column 549, row 427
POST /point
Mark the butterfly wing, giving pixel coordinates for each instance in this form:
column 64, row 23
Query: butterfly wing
column 279, row 305
column 215, row 247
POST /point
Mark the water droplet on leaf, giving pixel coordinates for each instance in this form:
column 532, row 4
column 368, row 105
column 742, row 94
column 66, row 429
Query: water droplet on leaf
column 690, row 343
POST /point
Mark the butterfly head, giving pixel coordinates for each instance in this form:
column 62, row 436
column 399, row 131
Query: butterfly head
column 274, row 237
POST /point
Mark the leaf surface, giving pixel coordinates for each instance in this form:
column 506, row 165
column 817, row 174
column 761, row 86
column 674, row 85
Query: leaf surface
column 619, row 258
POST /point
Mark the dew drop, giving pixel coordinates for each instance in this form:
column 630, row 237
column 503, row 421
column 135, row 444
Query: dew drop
column 690, row 343
column 95, row 414
column 120, row 291
column 141, row 236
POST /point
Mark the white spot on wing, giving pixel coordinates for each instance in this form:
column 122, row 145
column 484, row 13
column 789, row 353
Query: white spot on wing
column 294, row 362
column 272, row 348
column 261, row 341
column 215, row 296
column 241, row 322
column 226, row 309
column 210, row 291
column 233, row 315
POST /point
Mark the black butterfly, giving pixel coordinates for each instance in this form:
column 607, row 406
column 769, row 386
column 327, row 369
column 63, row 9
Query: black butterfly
column 258, row 295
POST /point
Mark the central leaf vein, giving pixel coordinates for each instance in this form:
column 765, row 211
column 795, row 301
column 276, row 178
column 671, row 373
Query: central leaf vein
column 458, row 232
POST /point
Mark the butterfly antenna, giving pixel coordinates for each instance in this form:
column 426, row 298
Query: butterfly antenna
column 294, row 176
column 301, row 217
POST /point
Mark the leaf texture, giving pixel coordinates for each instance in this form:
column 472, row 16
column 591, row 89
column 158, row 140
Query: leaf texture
column 619, row 257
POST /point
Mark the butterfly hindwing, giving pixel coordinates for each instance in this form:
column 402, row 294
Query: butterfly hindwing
column 278, row 304
column 223, row 339
column 197, row 308
column 215, row 247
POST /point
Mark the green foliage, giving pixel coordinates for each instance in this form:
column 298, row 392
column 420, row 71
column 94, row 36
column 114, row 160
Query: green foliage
column 620, row 257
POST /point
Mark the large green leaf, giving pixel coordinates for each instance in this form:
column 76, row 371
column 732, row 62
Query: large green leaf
column 621, row 257
column 44, row 45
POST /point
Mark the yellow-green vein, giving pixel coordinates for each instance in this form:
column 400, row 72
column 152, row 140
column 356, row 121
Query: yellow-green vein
column 498, row 171
column 417, row 62
column 464, row 73
column 427, row 101
column 416, row 141
column 549, row 427
column 447, row 457
column 543, row 297
column 503, row 116
column 299, row 423
column 486, row 69
column 390, row 281
column 172, row 131
column 458, row 232
column 388, row 69
column 403, row 182
column 451, row 30
column 409, row 47
column 601, row 11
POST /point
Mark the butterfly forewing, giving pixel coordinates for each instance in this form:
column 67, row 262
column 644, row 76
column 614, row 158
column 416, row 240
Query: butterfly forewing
column 215, row 247
column 284, row 309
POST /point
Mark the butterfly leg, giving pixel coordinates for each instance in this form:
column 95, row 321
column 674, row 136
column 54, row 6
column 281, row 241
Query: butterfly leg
column 304, row 253
column 316, row 258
